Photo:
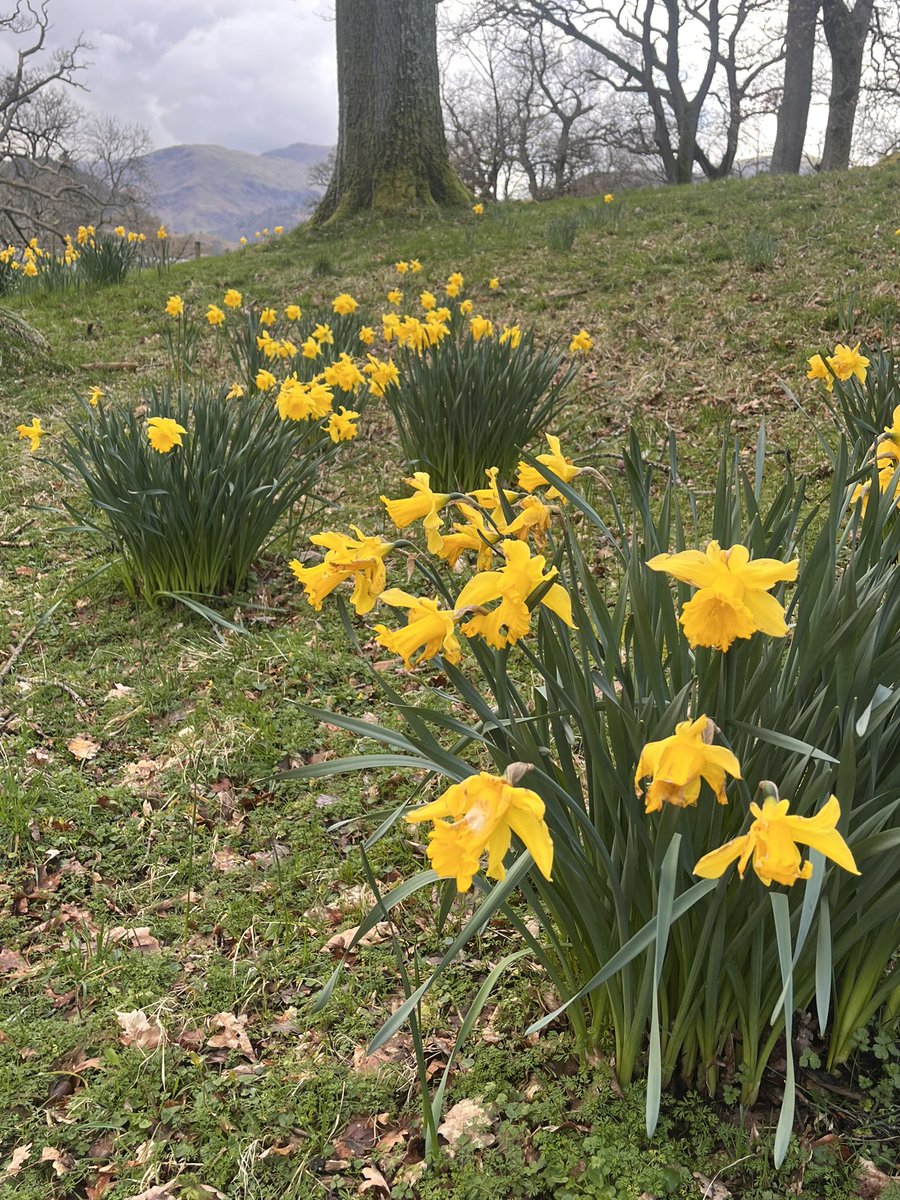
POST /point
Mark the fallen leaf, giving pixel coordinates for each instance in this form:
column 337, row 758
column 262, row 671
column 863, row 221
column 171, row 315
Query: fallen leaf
column 710, row 1189
column 13, row 964
column 83, row 748
column 341, row 942
column 138, row 1030
column 37, row 756
column 118, row 690
column 62, row 1161
column 18, row 1159
column 137, row 936
column 226, row 860
column 397, row 1050
column 162, row 1192
column 870, row 1181
column 373, row 1178
column 466, row 1121
column 233, row 1034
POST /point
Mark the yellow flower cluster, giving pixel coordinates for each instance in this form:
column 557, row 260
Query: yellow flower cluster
column 845, row 363
column 886, row 456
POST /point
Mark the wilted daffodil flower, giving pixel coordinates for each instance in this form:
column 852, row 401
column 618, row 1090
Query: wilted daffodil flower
column 677, row 765
column 164, row 433
column 481, row 814
column 428, row 627
column 772, row 843
column 360, row 559
column 511, row 585
column 733, row 599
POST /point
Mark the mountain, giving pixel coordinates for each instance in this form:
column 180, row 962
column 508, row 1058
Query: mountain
column 214, row 191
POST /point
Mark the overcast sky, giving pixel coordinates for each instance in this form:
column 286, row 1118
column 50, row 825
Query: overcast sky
column 238, row 73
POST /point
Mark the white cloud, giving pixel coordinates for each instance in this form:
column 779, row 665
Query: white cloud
column 218, row 71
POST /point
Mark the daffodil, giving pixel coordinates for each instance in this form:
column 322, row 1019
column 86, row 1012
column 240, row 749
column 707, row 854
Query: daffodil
column 293, row 312
column 819, row 370
column 427, row 300
column 175, row 306
column 677, row 764
column 95, row 396
column 581, row 343
column 311, row 348
column 367, row 335
column 265, row 380
column 33, row 431
column 422, row 504
column 481, row 327
column 394, row 296
column 530, row 478
column 471, row 534
column 733, row 599
column 214, row 315
column 481, row 814
column 847, row 362
column 466, row 307
column 493, row 283
column 455, row 280
column 341, row 425
column 359, row 558
column 511, row 334
column 278, row 229
column 344, row 374
column 608, row 198
column 888, row 464
column 893, row 430
column 235, row 392
column 323, row 335
column 415, row 266
column 772, row 842
column 30, row 269
column 478, row 209
column 381, row 374
column 163, row 433
column 344, row 304
column 401, row 267
column 232, row 298
column 268, row 316
column 119, row 231
column 162, row 233
column 429, row 628
column 511, row 585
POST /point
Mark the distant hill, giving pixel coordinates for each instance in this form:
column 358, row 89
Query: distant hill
column 226, row 193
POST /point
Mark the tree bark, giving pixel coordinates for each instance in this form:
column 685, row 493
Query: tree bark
column 793, row 112
column 391, row 152
column 846, row 31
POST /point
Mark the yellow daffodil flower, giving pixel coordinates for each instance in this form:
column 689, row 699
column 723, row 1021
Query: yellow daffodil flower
column 33, row 431
column 235, row 392
column 818, row 370
column 466, row 307
column 232, row 298
column 581, row 343
column 481, row 814
column 511, row 585
column 163, row 433
column 478, row 209
column 265, row 380
column 214, row 315
column 530, row 478
column 344, row 374
column 311, row 348
column 847, row 362
column 278, row 229
column 493, row 283
column 732, row 600
column 323, row 335
column 360, row 558
column 481, row 327
column 427, row 300
column 415, row 266
column 608, row 198
column 341, row 426
column 30, row 269
column 175, row 306
column 96, row 394
column 394, row 296
column 119, row 231
column 162, row 233
column 401, row 267
column 772, row 840
column 293, row 312
column 344, row 304
column 455, row 280
column 428, row 627
column 678, row 763
column 268, row 316
column 367, row 335
column 511, row 334
column 381, row 374
column 423, row 503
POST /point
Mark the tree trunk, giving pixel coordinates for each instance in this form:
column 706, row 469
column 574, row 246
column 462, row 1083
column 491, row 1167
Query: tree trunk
column 793, row 112
column 846, row 31
column 391, row 152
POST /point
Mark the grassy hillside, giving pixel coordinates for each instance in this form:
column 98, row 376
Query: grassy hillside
column 161, row 867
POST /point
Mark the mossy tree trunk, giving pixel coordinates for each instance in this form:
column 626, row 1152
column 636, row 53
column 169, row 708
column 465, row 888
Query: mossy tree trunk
column 391, row 152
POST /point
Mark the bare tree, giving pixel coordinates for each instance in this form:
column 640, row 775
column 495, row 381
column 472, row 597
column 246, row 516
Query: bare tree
column 691, row 61
column 846, row 32
column 35, row 172
column 113, row 152
column 793, row 111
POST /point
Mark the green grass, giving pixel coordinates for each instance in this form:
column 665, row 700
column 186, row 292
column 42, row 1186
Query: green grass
column 702, row 302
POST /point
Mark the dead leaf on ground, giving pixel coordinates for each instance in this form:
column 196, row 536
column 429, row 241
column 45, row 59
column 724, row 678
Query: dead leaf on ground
column 341, row 942
column 161, row 1192
column 711, row 1190
column 138, row 937
column 139, row 1030
column 226, row 860
column 870, row 1181
column 467, row 1121
column 117, row 691
column 62, row 1160
column 83, row 748
column 398, row 1049
column 373, row 1180
column 233, row 1035
column 17, row 1161
column 13, row 964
